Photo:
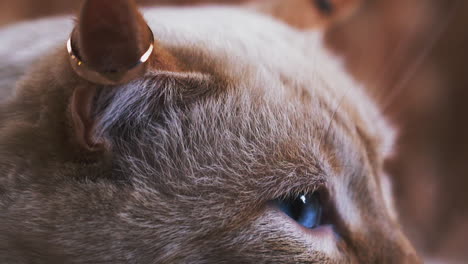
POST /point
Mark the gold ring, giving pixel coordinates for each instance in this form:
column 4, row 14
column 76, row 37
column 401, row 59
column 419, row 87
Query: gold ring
column 110, row 77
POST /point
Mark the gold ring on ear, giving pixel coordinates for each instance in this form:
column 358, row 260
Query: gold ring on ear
column 114, row 77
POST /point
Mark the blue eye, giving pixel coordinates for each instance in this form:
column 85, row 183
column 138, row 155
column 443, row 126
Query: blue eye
column 305, row 209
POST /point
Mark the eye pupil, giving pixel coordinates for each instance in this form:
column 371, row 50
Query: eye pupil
column 304, row 209
column 325, row 6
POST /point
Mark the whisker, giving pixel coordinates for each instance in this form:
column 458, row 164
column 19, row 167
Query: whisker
column 332, row 118
column 390, row 67
column 412, row 68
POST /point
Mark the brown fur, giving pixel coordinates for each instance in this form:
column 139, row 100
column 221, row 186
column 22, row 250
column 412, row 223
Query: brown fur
column 194, row 158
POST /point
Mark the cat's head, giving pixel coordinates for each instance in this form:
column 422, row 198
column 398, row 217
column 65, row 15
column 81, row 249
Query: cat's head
column 229, row 138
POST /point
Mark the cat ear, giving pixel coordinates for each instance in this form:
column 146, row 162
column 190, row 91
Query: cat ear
column 111, row 44
column 83, row 122
column 306, row 14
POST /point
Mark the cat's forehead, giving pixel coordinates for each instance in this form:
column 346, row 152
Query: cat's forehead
column 260, row 54
column 216, row 29
column 235, row 41
column 284, row 106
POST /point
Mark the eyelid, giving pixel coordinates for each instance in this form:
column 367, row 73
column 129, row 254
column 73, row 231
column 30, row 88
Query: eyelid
column 317, row 184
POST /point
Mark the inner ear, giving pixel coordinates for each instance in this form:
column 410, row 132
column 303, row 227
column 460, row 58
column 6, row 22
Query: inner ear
column 106, row 48
column 83, row 121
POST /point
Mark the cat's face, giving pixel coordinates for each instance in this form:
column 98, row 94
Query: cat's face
column 244, row 142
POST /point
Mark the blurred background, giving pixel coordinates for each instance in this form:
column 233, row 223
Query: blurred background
column 413, row 57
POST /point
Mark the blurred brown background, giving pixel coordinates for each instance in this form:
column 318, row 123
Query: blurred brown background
column 413, row 56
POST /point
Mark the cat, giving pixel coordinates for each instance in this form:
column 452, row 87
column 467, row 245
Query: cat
column 208, row 135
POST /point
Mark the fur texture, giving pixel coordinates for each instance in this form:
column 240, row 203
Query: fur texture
column 193, row 158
